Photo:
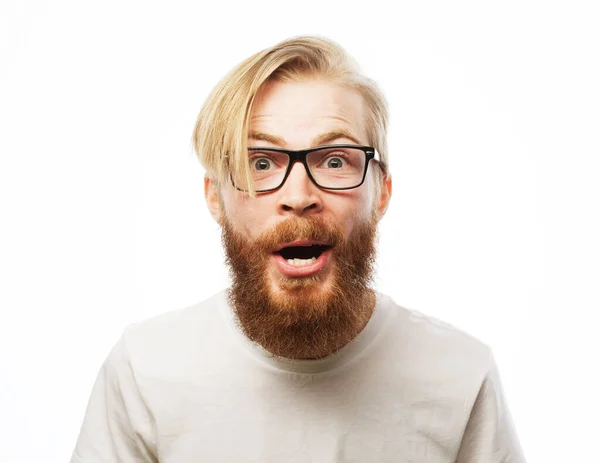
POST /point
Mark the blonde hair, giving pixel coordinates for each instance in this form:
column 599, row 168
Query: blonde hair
column 221, row 133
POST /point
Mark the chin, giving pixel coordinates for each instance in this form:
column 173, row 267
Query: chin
column 300, row 287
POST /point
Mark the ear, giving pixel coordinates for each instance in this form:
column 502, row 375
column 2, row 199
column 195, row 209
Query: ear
column 213, row 199
column 385, row 194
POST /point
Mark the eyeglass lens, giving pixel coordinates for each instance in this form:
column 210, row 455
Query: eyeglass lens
column 329, row 167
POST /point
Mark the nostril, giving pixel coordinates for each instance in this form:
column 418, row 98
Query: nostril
column 288, row 208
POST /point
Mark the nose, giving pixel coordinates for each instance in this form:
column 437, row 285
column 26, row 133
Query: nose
column 299, row 195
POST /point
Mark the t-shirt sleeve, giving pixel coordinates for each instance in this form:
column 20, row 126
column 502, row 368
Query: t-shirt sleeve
column 490, row 435
column 117, row 425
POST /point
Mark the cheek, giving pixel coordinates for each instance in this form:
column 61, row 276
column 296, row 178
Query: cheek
column 246, row 215
column 241, row 219
column 351, row 210
column 365, row 202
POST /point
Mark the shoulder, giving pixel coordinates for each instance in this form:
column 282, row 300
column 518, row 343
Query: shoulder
column 431, row 347
column 174, row 321
column 171, row 340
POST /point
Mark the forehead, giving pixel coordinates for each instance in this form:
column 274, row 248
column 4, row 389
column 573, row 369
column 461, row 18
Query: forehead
column 299, row 112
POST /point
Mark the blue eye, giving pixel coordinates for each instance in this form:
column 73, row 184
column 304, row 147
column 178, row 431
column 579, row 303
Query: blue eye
column 262, row 164
column 335, row 163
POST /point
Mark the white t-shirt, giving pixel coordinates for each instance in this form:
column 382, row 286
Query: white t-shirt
column 188, row 387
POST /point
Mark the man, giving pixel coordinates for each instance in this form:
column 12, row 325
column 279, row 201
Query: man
column 300, row 360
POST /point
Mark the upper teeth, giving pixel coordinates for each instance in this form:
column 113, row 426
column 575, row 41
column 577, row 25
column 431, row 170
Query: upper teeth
column 301, row 261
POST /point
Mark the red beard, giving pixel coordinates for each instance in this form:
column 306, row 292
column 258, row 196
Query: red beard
column 309, row 317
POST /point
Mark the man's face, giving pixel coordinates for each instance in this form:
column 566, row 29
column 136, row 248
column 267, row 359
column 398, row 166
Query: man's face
column 297, row 116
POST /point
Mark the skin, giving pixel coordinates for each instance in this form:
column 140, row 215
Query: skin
column 297, row 115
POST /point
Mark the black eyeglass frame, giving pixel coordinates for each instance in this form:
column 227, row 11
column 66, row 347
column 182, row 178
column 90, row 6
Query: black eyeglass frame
column 300, row 156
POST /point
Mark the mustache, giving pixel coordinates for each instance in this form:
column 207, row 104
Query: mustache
column 300, row 228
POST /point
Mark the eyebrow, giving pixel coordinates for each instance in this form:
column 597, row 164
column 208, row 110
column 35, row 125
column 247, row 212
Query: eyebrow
column 319, row 140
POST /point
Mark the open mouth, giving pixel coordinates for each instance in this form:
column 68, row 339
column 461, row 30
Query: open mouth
column 302, row 254
column 302, row 258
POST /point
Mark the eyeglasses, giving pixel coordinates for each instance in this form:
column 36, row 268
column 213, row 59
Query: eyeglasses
column 333, row 167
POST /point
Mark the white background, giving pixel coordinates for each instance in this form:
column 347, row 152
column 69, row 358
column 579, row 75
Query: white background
column 493, row 225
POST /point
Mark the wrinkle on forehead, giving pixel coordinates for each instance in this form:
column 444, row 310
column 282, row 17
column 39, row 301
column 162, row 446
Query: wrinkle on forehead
column 307, row 109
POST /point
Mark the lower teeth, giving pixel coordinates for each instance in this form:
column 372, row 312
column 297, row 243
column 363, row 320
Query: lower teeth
column 299, row 262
